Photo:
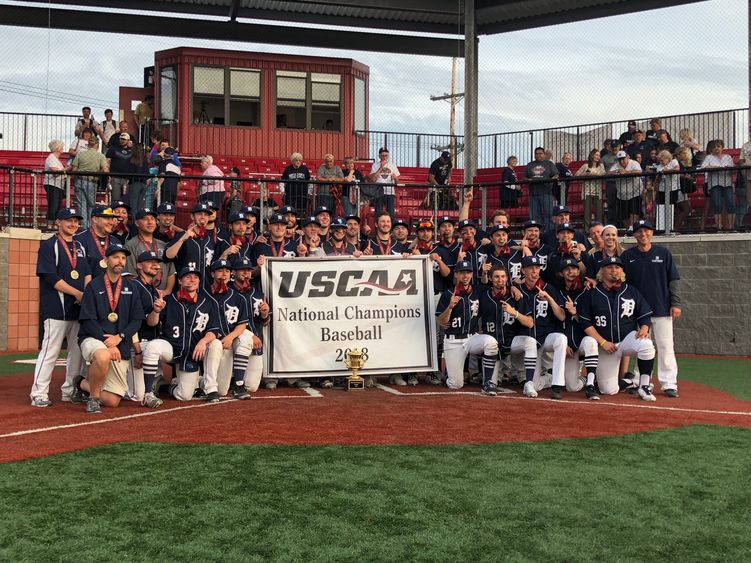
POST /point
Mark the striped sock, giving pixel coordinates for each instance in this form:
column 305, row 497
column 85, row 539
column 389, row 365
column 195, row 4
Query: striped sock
column 149, row 374
column 590, row 365
column 239, row 365
column 488, row 367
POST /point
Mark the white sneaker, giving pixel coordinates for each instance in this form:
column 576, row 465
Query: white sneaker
column 529, row 389
column 370, row 381
column 41, row 402
column 398, row 380
column 270, row 383
column 646, row 393
column 151, row 401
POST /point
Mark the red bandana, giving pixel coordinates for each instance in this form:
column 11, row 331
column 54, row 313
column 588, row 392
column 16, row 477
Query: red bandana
column 239, row 241
column 504, row 251
column 564, row 249
column 169, row 233
column 499, row 295
column 121, row 229
column 424, row 246
column 461, row 290
column 615, row 287
column 201, row 232
column 219, row 287
column 538, row 285
column 467, row 246
column 575, row 285
column 183, row 296
column 243, row 287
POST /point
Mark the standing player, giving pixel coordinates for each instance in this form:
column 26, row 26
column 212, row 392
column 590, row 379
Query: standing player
column 470, row 247
column 240, row 244
column 63, row 274
column 145, row 241
column 458, row 313
column 122, row 230
column 382, row 244
column 353, row 236
column 190, row 323
column 324, row 215
column 166, row 228
column 337, row 245
column 616, row 315
column 236, row 341
column 195, row 247
column 111, row 314
column 652, row 270
column 400, row 232
column 96, row 239
column 530, row 245
column 309, row 244
column 567, row 248
column 497, row 253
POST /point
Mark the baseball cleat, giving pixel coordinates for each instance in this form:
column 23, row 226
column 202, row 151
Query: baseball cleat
column 434, row 379
column 529, row 389
column 489, row 389
column 327, row 384
column 370, row 381
column 94, row 406
column 591, row 393
column 270, row 384
column 397, row 380
column 412, row 379
column 672, row 393
column 556, row 392
column 151, row 401
column 239, row 392
column 212, row 397
column 302, row 384
column 41, row 402
column 78, row 395
column 646, row 393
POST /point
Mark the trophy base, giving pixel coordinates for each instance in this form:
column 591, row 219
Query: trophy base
column 353, row 383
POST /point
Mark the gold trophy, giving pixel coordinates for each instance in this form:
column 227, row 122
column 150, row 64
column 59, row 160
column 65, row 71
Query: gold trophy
column 354, row 360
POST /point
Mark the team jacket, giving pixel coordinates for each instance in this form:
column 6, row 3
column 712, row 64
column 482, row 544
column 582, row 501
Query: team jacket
column 233, row 310
column 465, row 317
column 184, row 324
column 254, row 297
column 95, row 307
column 651, row 273
column 52, row 266
column 494, row 320
column 614, row 314
column 285, row 249
column 95, row 246
column 545, row 321
column 148, row 294
column 346, row 250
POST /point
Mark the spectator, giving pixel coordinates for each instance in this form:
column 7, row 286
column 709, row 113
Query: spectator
column 687, row 140
column 639, row 145
column 160, row 149
column 687, row 184
column 350, row 191
column 720, row 184
column 560, row 191
column 742, row 194
column 137, row 186
column 90, row 160
column 386, row 173
column 655, row 126
column 81, row 143
column 664, row 143
column 169, row 171
column 440, row 175
column 627, row 138
column 54, row 184
column 295, row 178
column 109, row 127
column 592, row 189
column 87, row 121
column 608, row 160
column 211, row 187
column 123, row 127
column 328, row 194
column 629, row 189
column 118, row 160
column 144, row 113
column 510, row 193
column 668, row 190
column 235, row 202
column 540, row 193
column 265, row 203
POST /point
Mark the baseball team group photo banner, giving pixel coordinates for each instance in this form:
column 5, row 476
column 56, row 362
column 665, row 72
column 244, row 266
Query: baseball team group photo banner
column 322, row 308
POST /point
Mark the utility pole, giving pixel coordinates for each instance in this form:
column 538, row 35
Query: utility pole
column 454, row 98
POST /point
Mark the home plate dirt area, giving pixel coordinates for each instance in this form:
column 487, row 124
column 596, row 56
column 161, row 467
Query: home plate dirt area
column 383, row 415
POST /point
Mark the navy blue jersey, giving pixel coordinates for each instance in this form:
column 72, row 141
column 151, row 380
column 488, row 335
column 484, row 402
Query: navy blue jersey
column 572, row 327
column 167, row 236
column 450, row 256
column 495, row 321
column 615, row 313
column 284, row 249
column 148, row 294
column 218, row 233
column 195, row 253
column 496, row 257
column 95, row 307
column 95, row 247
column 552, row 273
column 184, row 324
column 465, row 317
column 387, row 248
column 121, row 237
column 233, row 310
column 52, row 266
column 543, row 252
column 346, row 249
column 550, row 238
column 245, row 243
column 545, row 322
column 651, row 273
column 254, row 297
column 594, row 262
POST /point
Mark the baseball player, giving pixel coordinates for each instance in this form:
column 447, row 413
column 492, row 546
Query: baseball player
column 499, row 313
column 195, row 247
column 545, row 304
column 567, row 248
column 309, row 244
column 214, row 228
column 324, row 215
column 149, row 349
column 252, row 229
column 562, row 214
column 258, row 312
column 122, row 230
column 240, row 244
column 63, row 274
column 497, row 253
column 166, row 228
column 616, row 315
column 337, row 245
column 382, row 244
column 354, row 236
column 291, row 216
column 573, row 289
column 458, row 313
column 470, row 247
column 400, row 232
column 652, row 270
column 530, row 245
column 237, row 342
column 145, row 241
column 111, row 314
column 96, row 239
column 190, row 324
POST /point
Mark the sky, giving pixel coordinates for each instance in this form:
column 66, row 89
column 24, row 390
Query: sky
column 686, row 59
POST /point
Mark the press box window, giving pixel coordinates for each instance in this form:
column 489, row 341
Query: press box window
column 245, row 97
column 208, row 95
column 168, row 93
column 291, row 95
column 226, row 96
column 325, row 95
column 308, row 100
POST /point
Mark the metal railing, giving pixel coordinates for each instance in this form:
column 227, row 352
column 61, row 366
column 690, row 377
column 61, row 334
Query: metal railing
column 33, row 132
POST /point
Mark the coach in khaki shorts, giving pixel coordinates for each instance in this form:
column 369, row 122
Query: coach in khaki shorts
column 111, row 313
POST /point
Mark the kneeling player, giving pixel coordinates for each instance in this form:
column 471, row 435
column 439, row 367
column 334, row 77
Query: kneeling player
column 618, row 317
column 458, row 312
column 258, row 317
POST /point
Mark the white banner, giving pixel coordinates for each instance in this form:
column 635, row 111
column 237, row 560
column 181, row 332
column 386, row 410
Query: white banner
column 323, row 307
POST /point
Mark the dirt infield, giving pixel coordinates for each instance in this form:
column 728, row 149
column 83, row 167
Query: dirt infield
column 385, row 415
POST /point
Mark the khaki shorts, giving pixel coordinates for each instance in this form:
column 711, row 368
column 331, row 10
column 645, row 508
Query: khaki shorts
column 116, row 381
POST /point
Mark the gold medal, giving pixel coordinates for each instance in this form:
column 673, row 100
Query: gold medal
column 112, row 317
column 74, row 274
column 103, row 263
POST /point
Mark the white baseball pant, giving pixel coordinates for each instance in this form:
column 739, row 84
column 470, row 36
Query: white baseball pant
column 572, row 371
column 54, row 333
column 242, row 345
column 608, row 366
column 154, row 352
column 455, row 351
column 187, row 381
column 554, row 343
column 667, row 366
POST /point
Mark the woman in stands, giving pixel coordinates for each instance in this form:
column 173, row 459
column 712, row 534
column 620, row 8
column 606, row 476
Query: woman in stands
column 510, row 193
column 687, row 184
column 211, row 187
column 296, row 178
column 686, row 139
column 592, row 189
column 720, row 184
column 54, row 184
column 668, row 191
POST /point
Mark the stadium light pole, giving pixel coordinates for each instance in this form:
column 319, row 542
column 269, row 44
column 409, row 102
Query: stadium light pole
column 470, row 91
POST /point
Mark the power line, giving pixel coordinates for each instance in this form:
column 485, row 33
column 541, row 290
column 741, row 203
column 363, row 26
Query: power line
column 71, row 97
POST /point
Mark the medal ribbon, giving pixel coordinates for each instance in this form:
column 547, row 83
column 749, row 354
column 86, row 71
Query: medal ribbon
column 72, row 257
column 384, row 248
column 274, row 250
column 102, row 251
column 113, row 299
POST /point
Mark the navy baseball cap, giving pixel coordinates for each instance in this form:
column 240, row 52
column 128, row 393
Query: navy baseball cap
column 311, row 221
column 149, row 255
column 530, row 224
column 277, row 218
column 467, row 223
column 68, row 213
column 188, row 270
column 446, row 154
column 167, row 209
column 169, row 151
column 530, row 261
column 399, row 222
column 237, row 217
column 566, row 227
column 561, row 209
column 116, row 248
column 201, row 206
column 496, row 228
column 212, row 205
column 566, row 263
column 610, row 261
column 323, row 209
column 219, row 264
column 141, row 213
column 354, row 217
column 443, row 220
column 643, row 224
column 288, row 209
column 425, row 224
column 250, row 210
column 241, row 264
column 338, row 223
column 463, row 266
column 120, row 203
column 102, row 211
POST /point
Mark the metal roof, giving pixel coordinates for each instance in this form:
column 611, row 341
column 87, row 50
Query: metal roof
column 370, row 25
